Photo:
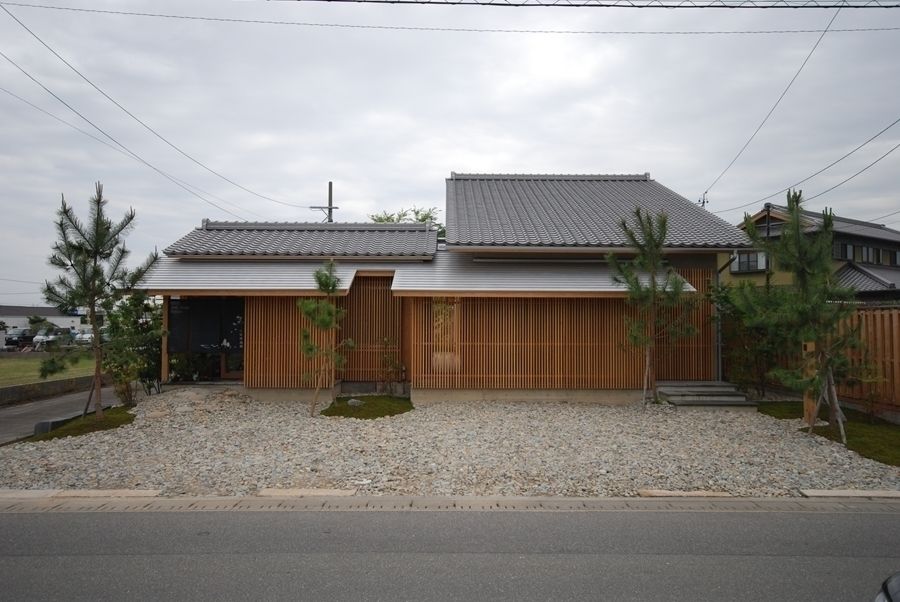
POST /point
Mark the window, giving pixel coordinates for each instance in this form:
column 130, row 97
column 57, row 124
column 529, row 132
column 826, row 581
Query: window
column 749, row 261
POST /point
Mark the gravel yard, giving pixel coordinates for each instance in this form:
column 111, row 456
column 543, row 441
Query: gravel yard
column 200, row 440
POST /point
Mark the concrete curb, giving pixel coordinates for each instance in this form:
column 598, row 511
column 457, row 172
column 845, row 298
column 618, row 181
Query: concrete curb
column 849, row 493
column 290, row 493
column 676, row 493
column 53, row 500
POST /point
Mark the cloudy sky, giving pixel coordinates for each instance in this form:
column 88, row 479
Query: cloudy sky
column 387, row 114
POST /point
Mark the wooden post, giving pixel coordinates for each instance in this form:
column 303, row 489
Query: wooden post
column 809, row 398
column 164, row 360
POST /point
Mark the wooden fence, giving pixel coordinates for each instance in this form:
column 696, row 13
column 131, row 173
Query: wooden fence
column 878, row 359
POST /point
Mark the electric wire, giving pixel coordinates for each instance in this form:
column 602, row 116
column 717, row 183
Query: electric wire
column 772, row 110
column 126, row 149
column 140, row 121
column 119, row 150
column 449, row 29
column 811, row 176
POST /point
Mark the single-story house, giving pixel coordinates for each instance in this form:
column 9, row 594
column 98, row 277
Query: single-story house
column 16, row 316
column 517, row 302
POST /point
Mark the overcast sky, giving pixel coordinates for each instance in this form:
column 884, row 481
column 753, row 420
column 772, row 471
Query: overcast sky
column 388, row 114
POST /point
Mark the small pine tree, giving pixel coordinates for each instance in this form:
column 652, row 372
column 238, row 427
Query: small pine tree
column 324, row 315
column 814, row 308
column 654, row 289
column 91, row 256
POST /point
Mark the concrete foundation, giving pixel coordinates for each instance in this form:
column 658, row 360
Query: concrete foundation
column 422, row 397
column 299, row 395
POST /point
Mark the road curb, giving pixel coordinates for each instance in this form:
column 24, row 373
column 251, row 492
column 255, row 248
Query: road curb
column 144, row 501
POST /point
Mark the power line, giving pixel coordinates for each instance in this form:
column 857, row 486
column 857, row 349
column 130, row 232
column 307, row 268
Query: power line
column 845, row 180
column 118, row 150
column 133, row 116
column 811, row 176
column 129, row 151
column 451, row 29
column 772, row 110
column 644, row 3
column 22, row 281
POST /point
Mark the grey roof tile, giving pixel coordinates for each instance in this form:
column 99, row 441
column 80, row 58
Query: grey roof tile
column 267, row 239
column 867, row 279
column 572, row 211
column 842, row 225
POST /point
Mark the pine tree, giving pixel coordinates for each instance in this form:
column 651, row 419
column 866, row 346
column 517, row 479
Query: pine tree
column 814, row 308
column 324, row 315
column 92, row 257
column 654, row 289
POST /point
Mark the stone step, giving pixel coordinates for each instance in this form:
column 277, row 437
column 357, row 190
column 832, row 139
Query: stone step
column 698, row 391
column 711, row 402
column 703, row 396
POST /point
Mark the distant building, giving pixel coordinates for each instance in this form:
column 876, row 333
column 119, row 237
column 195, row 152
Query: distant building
column 866, row 256
column 16, row 316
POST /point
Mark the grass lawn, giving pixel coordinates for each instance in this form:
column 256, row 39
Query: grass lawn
column 25, row 368
column 375, row 406
column 112, row 418
column 873, row 438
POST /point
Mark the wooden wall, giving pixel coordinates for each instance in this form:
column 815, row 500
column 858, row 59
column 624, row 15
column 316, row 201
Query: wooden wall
column 504, row 343
column 879, row 332
column 546, row 343
column 373, row 321
column 692, row 358
column 272, row 357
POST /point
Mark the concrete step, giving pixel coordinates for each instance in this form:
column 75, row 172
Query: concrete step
column 724, row 403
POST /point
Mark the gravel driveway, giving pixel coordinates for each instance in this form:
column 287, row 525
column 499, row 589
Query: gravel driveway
column 200, row 440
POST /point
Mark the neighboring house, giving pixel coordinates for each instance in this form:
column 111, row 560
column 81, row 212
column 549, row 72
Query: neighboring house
column 16, row 316
column 866, row 256
column 517, row 303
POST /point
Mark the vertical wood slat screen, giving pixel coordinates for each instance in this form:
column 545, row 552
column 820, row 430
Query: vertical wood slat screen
column 879, row 332
column 272, row 357
column 373, row 315
column 521, row 343
column 692, row 358
column 548, row 343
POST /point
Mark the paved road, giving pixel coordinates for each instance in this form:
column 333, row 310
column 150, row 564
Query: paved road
column 617, row 555
column 18, row 421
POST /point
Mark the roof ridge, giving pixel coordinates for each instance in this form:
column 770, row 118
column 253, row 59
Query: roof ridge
column 533, row 176
column 316, row 226
column 836, row 217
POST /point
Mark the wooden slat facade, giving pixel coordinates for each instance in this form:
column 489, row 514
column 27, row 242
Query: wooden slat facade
column 272, row 357
column 692, row 358
column 373, row 321
column 550, row 343
column 476, row 342
column 879, row 332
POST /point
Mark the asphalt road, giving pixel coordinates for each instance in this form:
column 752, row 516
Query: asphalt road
column 647, row 556
column 17, row 421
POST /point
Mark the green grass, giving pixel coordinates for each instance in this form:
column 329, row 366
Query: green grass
column 25, row 368
column 375, row 406
column 112, row 418
column 870, row 437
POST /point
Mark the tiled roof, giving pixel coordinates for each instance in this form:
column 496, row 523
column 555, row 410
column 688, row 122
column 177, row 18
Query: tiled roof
column 573, row 211
column 868, row 279
column 28, row 310
column 448, row 273
column 842, row 225
column 266, row 239
column 455, row 273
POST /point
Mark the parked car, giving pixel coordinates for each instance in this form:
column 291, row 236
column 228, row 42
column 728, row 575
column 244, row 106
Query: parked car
column 19, row 337
column 47, row 336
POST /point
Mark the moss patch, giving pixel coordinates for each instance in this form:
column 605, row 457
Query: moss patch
column 374, row 406
column 112, row 418
column 869, row 437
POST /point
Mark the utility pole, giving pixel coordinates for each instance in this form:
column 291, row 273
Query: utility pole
column 328, row 209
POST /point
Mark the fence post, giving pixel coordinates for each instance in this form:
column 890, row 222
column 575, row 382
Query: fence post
column 809, row 367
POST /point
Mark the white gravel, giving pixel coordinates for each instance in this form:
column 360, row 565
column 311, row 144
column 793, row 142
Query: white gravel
column 199, row 440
